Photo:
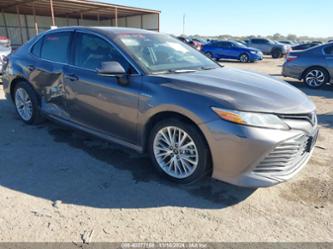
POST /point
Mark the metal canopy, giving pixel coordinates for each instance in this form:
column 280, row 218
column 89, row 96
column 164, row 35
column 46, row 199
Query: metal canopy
column 72, row 9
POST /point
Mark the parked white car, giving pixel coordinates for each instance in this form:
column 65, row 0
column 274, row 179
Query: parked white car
column 4, row 52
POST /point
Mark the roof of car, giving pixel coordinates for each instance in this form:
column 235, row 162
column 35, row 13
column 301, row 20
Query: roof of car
column 110, row 30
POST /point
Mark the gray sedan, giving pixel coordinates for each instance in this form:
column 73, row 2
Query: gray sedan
column 314, row 66
column 152, row 93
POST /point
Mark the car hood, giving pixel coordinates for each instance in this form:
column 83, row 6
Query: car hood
column 242, row 90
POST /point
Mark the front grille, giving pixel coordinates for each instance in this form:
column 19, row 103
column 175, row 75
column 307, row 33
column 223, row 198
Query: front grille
column 310, row 117
column 286, row 156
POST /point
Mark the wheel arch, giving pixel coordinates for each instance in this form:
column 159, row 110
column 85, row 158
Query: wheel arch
column 153, row 120
column 14, row 83
column 313, row 67
column 276, row 49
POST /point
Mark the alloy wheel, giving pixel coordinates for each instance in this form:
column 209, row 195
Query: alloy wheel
column 315, row 78
column 23, row 104
column 175, row 152
column 244, row 58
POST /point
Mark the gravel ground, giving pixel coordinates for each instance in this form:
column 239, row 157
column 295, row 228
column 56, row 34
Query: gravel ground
column 62, row 185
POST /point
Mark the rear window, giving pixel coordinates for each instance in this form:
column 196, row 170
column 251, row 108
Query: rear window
column 55, row 47
column 329, row 50
column 37, row 47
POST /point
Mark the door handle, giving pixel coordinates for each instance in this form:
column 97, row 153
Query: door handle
column 72, row 77
column 31, row 68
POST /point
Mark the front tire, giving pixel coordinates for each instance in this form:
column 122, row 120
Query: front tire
column 178, row 151
column 244, row 58
column 26, row 103
column 315, row 77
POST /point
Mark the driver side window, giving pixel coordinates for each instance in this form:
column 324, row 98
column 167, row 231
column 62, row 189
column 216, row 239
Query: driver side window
column 91, row 51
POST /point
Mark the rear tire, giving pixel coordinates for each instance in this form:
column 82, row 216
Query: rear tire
column 27, row 103
column 277, row 53
column 179, row 151
column 315, row 77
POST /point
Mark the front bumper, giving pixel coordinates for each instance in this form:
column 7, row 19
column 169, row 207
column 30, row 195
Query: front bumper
column 256, row 57
column 257, row 157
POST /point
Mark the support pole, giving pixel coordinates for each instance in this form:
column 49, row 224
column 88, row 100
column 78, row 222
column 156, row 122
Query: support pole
column 141, row 18
column 158, row 23
column 19, row 23
column 98, row 19
column 81, row 18
column 116, row 17
column 35, row 18
column 26, row 26
column 52, row 13
column 5, row 22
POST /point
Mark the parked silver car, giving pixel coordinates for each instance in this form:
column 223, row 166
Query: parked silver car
column 153, row 93
column 269, row 47
column 314, row 66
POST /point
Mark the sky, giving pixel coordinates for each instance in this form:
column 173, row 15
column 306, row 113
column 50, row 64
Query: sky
column 242, row 17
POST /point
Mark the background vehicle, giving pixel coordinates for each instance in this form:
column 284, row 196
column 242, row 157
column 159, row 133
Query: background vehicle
column 231, row 50
column 305, row 46
column 291, row 43
column 269, row 47
column 5, row 41
column 195, row 44
column 314, row 66
column 4, row 52
column 149, row 92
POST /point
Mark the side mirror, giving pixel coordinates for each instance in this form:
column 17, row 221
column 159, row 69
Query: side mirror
column 111, row 68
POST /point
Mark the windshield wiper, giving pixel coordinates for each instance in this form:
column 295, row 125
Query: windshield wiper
column 175, row 71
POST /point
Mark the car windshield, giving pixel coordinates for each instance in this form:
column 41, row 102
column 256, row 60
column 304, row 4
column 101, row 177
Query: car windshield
column 239, row 44
column 159, row 53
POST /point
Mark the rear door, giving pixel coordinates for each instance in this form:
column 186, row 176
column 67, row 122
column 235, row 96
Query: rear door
column 328, row 51
column 97, row 101
column 51, row 54
column 222, row 49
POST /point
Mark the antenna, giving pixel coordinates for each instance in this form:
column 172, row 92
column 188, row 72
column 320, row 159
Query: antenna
column 184, row 17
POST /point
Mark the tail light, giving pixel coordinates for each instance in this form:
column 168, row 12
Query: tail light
column 291, row 58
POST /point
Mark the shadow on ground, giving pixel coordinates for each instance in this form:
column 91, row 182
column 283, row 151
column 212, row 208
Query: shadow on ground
column 110, row 177
column 324, row 92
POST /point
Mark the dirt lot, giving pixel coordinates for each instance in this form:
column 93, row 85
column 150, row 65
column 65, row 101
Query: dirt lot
column 61, row 185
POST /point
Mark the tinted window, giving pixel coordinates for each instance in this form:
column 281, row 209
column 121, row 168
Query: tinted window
column 36, row 48
column 55, row 47
column 329, row 50
column 91, row 51
column 223, row 44
column 259, row 41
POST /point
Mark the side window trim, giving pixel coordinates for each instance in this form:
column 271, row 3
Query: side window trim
column 41, row 47
column 72, row 58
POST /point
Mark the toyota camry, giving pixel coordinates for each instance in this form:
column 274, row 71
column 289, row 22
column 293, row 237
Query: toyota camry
column 152, row 93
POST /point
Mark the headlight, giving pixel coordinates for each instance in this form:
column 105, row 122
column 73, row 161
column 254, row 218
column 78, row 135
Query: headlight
column 251, row 118
column 253, row 52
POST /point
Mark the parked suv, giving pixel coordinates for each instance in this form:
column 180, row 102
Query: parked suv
column 269, row 47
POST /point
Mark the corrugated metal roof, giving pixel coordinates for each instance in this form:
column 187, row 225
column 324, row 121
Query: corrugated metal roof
column 73, row 8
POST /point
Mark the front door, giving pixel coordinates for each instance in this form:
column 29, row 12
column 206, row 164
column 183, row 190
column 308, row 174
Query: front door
column 97, row 101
